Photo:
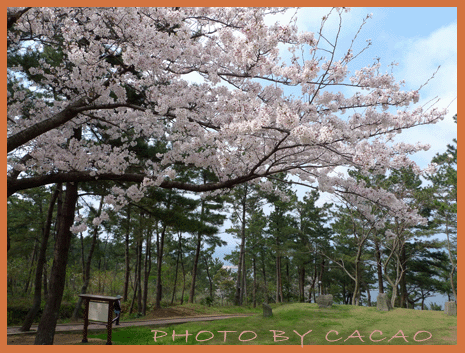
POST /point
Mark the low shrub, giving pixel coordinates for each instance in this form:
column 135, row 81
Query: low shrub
column 17, row 312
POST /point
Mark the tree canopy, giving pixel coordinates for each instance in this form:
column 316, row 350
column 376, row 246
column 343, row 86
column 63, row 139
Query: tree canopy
column 209, row 85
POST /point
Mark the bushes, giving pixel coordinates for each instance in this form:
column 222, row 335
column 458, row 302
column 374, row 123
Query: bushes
column 18, row 311
column 16, row 314
column 208, row 301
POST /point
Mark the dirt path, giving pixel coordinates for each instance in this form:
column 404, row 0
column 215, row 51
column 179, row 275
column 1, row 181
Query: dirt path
column 72, row 333
column 59, row 339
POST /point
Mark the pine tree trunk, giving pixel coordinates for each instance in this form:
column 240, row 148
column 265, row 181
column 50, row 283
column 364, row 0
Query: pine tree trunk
column 147, row 268
column 301, row 284
column 134, row 296
column 343, row 292
column 159, row 268
column 194, row 270
column 277, row 279
column 45, row 283
column 139, row 276
column 175, row 279
column 40, row 264
column 239, row 291
column 86, row 269
column 254, row 290
column 46, row 329
column 210, row 282
column 288, row 279
column 452, row 262
column 281, row 280
column 244, row 282
column 104, row 266
column 322, row 271
column 315, row 277
column 183, row 273
column 266, row 294
column 31, row 265
column 197, row 255
column 176, row 272
column 279, row 284
column 126, row 257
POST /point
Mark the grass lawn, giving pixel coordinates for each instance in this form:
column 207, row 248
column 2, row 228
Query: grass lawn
column 297, row 324
column 187, row 310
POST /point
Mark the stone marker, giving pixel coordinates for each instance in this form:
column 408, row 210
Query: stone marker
column 450, row 308
column 383, row 302
column 324, row 301
column 267, row 312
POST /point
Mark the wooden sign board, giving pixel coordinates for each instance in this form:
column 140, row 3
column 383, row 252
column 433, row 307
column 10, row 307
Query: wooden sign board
column 98, row 311
column 98, row 308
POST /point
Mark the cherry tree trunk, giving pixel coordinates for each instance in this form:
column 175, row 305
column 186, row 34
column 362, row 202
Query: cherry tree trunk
column 356, row 295
column 379, row 267
column 403, row 281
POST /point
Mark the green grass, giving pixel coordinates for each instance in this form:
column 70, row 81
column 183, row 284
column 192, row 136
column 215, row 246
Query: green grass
column 350, row 322
column 212, row 310
column 196, row 309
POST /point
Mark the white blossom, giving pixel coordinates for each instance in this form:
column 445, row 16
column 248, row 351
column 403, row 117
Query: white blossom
column 236, row 119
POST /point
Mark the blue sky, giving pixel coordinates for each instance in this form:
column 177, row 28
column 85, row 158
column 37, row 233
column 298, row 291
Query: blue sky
column 413, row 21
column 419, row 40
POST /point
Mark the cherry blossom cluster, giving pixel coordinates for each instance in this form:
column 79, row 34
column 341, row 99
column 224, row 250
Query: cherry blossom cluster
column 235, row 118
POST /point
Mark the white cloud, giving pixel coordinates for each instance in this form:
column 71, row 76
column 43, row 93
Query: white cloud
column 424, row 55
column 418, row 58
column 421, row 59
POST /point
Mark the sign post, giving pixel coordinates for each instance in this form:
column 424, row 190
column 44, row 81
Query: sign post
column 98, row 308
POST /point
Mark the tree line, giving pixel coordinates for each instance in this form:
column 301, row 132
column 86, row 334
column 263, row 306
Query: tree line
column 159, row 251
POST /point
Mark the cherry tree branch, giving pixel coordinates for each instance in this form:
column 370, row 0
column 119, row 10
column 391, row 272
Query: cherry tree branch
column 69, row 113
column 15, row 185
column 13, row 18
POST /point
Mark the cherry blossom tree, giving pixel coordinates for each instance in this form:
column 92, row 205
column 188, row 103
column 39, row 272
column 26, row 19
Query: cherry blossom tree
column 212, row 85
column 245, row 130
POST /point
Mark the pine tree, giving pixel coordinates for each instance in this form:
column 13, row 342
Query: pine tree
column 445, row 203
